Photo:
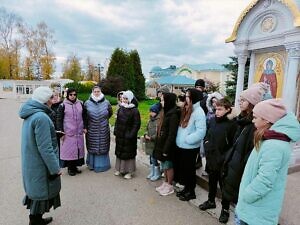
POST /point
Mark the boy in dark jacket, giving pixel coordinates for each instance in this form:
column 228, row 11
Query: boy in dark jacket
column 150, row 138
column 217, row 142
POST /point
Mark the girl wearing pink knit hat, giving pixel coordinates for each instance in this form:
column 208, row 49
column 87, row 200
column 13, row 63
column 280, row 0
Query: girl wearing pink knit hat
column 263, row 182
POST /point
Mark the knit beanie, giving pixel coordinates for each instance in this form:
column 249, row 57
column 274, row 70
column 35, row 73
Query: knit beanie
column 265, row 87
column 200, row 83
column 129, row 95
column 155, row 108
column 253, row 94
column 42, row 94
column 195, row 95
column 270, row 110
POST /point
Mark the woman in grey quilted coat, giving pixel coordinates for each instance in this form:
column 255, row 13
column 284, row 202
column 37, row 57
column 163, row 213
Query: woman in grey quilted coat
column 99, row 111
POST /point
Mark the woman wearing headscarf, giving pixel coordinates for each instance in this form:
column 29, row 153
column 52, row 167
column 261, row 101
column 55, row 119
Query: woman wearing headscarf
column 98, row 111
column 127, row 125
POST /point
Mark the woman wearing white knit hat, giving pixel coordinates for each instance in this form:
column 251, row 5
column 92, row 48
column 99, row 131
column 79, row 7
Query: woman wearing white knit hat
column 264, row 179
column 39, row 154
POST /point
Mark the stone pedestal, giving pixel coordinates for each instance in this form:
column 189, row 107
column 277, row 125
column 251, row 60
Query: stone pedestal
column 295, row 159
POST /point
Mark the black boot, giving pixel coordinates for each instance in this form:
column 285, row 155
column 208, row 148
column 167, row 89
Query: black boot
column 180, row 193
column 47, row 220
column 77, row 170
column 207, row 205
column 71, row 172
column 34, row 220
column 187, row 196
column 38, row 220
column 224, row 216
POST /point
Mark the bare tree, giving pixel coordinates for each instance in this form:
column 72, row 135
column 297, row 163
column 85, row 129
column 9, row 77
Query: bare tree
column 10, row 40
column 38, row 43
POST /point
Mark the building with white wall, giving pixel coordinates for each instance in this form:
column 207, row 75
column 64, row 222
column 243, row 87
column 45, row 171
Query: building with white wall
column 268, row 32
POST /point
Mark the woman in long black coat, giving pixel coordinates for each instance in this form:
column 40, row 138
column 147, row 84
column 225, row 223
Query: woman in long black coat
column 126, row 129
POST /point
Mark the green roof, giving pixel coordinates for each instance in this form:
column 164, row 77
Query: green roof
column 176, row 80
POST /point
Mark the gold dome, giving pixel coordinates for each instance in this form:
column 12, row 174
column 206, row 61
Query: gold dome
column 289, row 3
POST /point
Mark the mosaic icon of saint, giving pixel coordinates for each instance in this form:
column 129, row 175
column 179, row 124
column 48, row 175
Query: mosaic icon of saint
column 269, row 77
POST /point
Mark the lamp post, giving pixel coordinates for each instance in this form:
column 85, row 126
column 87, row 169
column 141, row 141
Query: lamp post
column 98, row 67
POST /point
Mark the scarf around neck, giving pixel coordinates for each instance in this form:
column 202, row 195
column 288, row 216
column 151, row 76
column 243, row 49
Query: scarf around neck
column 97, row 99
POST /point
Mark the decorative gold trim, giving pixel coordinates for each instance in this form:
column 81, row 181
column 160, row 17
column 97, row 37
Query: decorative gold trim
column 289, row 3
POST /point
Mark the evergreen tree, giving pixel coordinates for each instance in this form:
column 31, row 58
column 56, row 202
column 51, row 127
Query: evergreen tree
column 232, row 66
column 121, row 66
column 139, row 87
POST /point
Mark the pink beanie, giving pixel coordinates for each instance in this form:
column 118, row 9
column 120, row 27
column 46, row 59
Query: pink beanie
column 265, row 87
column 270, row 110
column 253, row 94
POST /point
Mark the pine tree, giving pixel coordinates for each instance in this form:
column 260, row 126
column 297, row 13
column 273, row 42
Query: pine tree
column 139, row 86
column 121, row 66
column 232, row 66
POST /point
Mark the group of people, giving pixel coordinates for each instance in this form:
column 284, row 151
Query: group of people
column 53, row 138
column 247, row 154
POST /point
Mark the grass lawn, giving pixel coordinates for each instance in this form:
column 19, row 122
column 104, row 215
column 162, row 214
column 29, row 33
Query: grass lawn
column 144, row 107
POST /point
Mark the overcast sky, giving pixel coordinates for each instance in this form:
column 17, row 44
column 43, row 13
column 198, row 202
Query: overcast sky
column 165, row 32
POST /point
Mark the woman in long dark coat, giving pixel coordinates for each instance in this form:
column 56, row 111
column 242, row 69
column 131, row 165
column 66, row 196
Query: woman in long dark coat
column 126, row 129
column 39, row 153
column 98, row 111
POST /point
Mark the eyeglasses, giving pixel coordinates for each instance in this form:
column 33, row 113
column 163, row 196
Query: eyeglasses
column 72, row 94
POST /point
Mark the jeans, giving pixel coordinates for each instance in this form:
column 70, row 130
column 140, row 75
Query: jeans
column 153, row 161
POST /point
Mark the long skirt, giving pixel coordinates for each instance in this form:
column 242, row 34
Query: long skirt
column 125, row 166
column 41, row 206
column 71, row 163
column 98, row 163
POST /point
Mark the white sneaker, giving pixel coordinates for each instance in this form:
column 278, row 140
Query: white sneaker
column 117, row 173
column 159, row 188
column 128, row 176
column 167, row 190
column 180, row 186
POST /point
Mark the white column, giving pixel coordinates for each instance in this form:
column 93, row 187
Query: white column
column 251, row 69
column 242, row 58
column 290, row 82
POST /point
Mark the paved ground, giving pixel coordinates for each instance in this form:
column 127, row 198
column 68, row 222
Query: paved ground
column 103, row 199
column 89, row 198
